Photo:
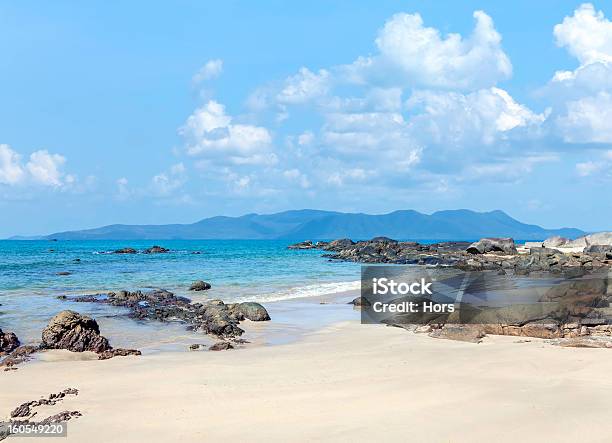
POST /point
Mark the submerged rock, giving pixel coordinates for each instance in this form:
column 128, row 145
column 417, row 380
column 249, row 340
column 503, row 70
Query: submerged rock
column 74, row 332
column 117, row 352
column 307, row 244
column 199, row 285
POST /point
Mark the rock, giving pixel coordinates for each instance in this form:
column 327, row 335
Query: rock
column 253, row 311
column 221, row 346
column 8, row 342
column 555, row 241
column 117, row 352
column 195, row 347
column 585, row 342
column 74, row 332
column 382, row 239
column 155, row 250
column 199, row 286
column 302, row 245
column 125, row 251
column 19, row 355
column 63, row 273
column 598, row 249
column 485, row 245
column 360, row 301
column 469, row 333
column 338, row 245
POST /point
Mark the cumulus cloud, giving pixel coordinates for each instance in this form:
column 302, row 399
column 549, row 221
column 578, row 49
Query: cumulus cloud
column 601, row 166
column 211, row 69
column 42, row 168
column 587, row 120
column 416, row 56
column 587, row 35
column 210, row 133
column 11, row 171
column 304, row 86
column 479, row 118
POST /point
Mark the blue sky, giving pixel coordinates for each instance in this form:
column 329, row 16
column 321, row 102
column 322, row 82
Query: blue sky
column 150, row 112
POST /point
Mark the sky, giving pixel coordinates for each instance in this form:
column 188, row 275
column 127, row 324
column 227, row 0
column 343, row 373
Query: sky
column 169, row 112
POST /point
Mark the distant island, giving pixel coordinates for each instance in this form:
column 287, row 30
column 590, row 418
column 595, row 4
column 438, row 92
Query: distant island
column 461, row 224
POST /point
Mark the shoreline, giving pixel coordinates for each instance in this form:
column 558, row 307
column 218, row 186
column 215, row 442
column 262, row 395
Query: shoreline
column 327, row 386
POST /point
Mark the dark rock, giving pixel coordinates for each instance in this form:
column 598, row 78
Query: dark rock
column 8, row 342
column 338, row 245
column 117, row 352
column 25, row 409
column 125, row 251
column 302, row 245
column 195, row 347
column 63, row 273
column 221, row 346
column 253, row 311
column 74, row 332
column 156, row 250
column 199, row 286
column 598, row 249
column 360, row 301
column 485, row 245
column 382, row 239
column 19, row 355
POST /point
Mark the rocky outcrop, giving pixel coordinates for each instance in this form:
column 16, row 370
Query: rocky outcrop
column 212, row 317
column 74, row 332
column 125, row 251
column 556, row 241
column 155, row 250
column 307, row 244
column 199, row 285
column 486, row 245
column 19, row 355
column 8, row 342
column 78, row 333
column 468, row 333
column 506, row 260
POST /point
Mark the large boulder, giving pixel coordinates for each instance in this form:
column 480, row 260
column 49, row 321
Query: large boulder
column 556, row 241
column 74, row 332
column 254, row 311
column 8, row 342
column 485, row 245
column 199, row 286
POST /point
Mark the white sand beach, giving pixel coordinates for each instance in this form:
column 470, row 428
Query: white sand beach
column 346, row 382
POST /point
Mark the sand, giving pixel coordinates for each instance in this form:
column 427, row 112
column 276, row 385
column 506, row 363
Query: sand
column 347, row 382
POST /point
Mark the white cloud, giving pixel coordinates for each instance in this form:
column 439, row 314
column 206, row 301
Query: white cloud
column 296, row 176
column 42, row 168
column 165, row 183
column 45, row 168
column 304, row 86
column 601, row 166
column 460, row 120
column 420, row 56
column 11, row 171
column 587, row 120
column 587, row 35
column 211, row 133
column 211, row 69
column 306, row 138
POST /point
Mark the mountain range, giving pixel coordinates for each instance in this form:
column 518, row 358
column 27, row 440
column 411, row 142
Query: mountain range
column 461, row 224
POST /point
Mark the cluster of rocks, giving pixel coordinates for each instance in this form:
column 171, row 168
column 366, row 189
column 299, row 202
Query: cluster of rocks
column 68, row 330
column 574, row 313
column 152, row 250
column 496, row 254
column 199, row 285
column 24, row 413
column 78, row 333
column 212, row 317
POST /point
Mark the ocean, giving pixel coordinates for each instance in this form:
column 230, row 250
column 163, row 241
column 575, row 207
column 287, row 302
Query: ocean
column 239, row 270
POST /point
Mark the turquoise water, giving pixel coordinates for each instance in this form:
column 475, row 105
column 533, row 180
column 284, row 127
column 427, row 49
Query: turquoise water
column 260, row 270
